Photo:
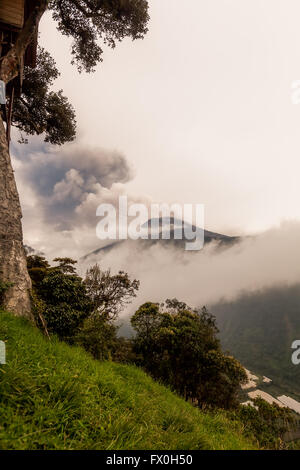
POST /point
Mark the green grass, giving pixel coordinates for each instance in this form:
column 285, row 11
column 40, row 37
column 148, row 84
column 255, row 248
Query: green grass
column 53, row 396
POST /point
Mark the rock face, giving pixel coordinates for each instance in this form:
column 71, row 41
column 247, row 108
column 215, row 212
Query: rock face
column 13, row 267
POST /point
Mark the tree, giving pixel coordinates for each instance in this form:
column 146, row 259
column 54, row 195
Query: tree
column 65, row 299
column 109, row 293
column 85, row 21
column 41, row 111
column 180, row 347
column 175, row 306
column 66, row 265
column 81, row 311
column 38, row 267
column 98, row 337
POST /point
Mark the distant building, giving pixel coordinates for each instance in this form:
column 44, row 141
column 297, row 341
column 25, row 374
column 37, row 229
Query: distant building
column 265, row 396
column 251, row 383
column 249, row 403
column 266, row 380
column 290, row 403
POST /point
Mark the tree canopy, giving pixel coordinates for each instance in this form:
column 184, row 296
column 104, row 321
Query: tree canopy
column 39, row 110
column 179, row 346
column 68, row 304
column 87, row 21
column 109, row 293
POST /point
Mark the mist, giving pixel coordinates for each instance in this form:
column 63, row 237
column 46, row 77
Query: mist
column 202, row 278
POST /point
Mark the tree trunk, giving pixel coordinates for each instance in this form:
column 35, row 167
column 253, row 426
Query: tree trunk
column 13, row 267
column 12, row 255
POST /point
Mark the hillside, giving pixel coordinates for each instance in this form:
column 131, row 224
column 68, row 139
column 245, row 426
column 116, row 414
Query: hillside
column 258, row 329
column 53, row 396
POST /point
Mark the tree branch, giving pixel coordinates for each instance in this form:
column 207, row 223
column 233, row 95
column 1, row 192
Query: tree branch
column 21, row 117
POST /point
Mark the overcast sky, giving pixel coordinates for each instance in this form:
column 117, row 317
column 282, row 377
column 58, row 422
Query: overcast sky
column 199, row 111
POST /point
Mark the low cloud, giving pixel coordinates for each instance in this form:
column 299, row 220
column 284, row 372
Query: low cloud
column 202, row 278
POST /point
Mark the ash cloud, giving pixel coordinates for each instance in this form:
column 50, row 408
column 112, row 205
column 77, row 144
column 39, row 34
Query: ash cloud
column 61, row 189
column 69, row 183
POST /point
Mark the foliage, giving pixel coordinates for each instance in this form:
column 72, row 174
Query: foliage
column 81, row 310
column 123, row 351
column 86, row 21
column 268, row 423
column 56, row 397
column 38, row 268
column 180, row 348
column 175, row 306
column 38, row 310
column 98, row 337
column 67, row 303
column 66, row 265
column 39, row 109
column 59, row 296
column 259, row 329
column 109, row 293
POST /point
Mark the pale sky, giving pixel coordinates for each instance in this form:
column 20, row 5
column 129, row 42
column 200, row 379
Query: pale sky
column 200, row 109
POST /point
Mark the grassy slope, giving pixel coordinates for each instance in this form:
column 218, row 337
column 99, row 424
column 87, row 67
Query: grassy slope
column 53, row 396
